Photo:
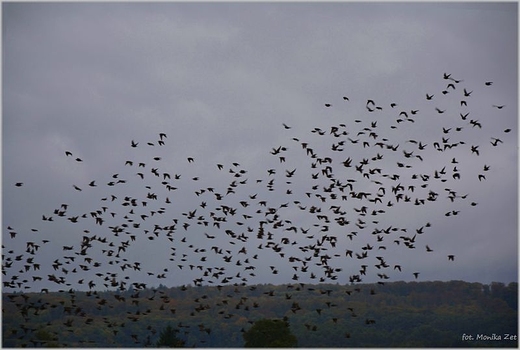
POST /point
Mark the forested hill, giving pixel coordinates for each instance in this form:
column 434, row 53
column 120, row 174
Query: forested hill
column 394, row 314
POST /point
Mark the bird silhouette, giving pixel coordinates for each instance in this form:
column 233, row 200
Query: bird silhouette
column 223, row 227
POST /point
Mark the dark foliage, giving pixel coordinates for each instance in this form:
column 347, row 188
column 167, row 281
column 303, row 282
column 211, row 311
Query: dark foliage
column 267, row 333
column 168, row 338
column 396, row 314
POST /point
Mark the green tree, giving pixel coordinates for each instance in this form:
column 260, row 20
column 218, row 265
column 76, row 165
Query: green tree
column 44, row 338
column 270, row 333
column 168, row 338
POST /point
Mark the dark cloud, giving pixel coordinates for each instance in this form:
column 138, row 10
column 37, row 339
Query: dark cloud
column 220, row 79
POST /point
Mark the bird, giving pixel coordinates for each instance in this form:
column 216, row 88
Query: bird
column 495, row 141
column 338, row 188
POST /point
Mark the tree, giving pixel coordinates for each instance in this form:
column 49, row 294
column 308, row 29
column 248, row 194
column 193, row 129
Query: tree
column 168, row 338
column 270, row 333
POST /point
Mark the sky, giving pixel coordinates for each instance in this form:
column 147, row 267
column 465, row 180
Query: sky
column 220, row 80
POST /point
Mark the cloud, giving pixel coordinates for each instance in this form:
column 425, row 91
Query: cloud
column 219, row 80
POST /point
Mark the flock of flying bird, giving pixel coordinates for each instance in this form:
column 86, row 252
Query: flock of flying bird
column 333, row 221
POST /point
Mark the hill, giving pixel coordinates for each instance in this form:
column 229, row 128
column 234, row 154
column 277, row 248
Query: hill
column 395, row 314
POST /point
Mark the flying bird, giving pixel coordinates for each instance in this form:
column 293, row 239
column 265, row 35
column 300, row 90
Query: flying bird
column 215, row 232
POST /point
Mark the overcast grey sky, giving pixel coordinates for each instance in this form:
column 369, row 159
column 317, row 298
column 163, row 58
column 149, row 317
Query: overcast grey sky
column 219, row 79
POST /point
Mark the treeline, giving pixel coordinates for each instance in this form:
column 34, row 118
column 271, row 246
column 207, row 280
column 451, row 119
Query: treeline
column 396, row 314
